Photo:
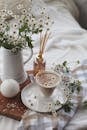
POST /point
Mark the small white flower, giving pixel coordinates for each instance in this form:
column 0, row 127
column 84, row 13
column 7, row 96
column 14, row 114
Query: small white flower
column 3, row 41
column 20, row 6
column 3, row 11
column 1, row 24
column 23, row 34
column 10, row 12
column 24, row 11
column 13, row 50
column 15, row 26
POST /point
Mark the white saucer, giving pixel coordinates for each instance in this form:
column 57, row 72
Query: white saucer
column 33, row 98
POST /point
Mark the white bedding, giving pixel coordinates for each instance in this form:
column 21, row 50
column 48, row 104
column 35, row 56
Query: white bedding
column 66, row 33
column 68, row 41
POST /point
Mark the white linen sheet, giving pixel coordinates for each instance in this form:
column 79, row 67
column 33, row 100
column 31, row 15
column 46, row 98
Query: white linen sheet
column 68, row 42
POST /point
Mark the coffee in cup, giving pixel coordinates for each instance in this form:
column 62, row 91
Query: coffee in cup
column 48, row 80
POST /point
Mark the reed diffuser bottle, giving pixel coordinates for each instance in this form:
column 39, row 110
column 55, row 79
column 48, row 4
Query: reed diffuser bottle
column 39, row 62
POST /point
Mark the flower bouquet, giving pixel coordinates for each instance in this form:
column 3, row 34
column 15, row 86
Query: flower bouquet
column 16, row 34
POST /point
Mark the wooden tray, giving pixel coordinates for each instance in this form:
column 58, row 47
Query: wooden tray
column 13, row 107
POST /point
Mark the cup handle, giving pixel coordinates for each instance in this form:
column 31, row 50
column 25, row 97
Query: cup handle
column 29, row 56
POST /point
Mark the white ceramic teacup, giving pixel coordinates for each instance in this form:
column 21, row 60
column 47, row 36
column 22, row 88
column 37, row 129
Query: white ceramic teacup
column 48, row 81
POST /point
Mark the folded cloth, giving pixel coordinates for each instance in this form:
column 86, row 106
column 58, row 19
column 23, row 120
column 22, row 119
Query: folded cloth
column 58, row 121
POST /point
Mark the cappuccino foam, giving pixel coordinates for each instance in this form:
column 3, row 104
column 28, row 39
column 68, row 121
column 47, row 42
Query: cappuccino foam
column 47, row 80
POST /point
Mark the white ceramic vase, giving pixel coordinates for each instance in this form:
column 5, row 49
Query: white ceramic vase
column 13, row 65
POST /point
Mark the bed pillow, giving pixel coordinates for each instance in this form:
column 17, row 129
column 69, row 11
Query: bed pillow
column 82, row 5
column 72, row 7
column 69, row 4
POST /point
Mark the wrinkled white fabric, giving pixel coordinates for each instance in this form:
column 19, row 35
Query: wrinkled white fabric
column 12, row 4
column 68, row 41
column 69, row 4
